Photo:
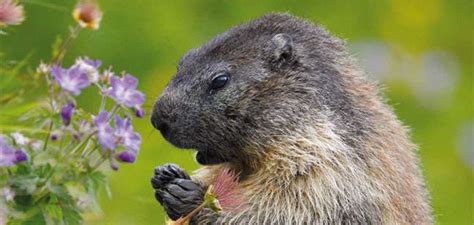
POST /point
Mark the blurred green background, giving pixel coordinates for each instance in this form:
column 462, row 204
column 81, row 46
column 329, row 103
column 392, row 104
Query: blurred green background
column 421, row 51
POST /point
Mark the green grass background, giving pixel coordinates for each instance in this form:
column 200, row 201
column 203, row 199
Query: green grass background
column 147, row 37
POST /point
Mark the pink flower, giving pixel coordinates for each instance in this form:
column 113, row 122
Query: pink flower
column 88, row 14
column 227, row 191
column 10, row 13
column 223, row 195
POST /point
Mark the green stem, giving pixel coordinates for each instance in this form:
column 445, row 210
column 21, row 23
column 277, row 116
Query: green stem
column 85, row 152
column 114, row 111
column 71, row 152
column 182, row 220
column 48, row 133
column 41, row 193
column 66, row 44
column 57, row 60
column 102, row 100
column 61, row 143
column 49, row 175
column 99, row 163
column 79, row 146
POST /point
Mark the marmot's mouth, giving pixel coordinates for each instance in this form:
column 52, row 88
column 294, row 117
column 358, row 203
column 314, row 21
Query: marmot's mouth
column 205, row 157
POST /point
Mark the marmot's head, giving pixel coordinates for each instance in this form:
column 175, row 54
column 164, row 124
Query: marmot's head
column 252, row 84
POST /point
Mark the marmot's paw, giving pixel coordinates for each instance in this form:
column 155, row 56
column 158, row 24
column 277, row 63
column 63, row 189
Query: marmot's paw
column 165, row 174
column 180, row 197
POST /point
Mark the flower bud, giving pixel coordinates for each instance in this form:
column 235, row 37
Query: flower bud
column 10, row 13
column 114, row 164
column 54, row 136
column 43, row 68
column 127, row 157
column 139, row 112
column 88, row 14
column 66, row 113
column 20, row 156
column 106, row 75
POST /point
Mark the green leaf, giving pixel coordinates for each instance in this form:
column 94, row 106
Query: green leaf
column 54, row 211
column 56, row 46
column 95, row 180
column 71, row 217
column 211, row 201
column 44, row 170
column 26, row 184
column 35, row 219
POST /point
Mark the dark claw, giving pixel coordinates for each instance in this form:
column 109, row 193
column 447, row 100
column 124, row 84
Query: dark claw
column 186, row 190
column 158, row 196
column 167, row 173
column 171, row 170
column 170, row 203
column 187, row 185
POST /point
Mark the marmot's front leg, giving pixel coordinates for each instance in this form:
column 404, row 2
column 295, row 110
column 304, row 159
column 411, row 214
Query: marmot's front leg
column 175, row 190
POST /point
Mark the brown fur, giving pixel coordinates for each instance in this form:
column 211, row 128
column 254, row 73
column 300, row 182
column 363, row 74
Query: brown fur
column 312, row 138
column 385, row 186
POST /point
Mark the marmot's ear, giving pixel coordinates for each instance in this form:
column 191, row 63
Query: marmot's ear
column 283, row 52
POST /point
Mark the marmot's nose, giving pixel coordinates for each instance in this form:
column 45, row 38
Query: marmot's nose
column 162, row 126
column 160, row 119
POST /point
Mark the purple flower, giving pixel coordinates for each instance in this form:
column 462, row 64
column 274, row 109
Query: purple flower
column 125, row 134
column 139, row 112
column 20, row 156
column 123, row 91
column 113, row 164
column 122, row 135
column 72, row 80
column 105, row 133
column 127, row 156
column 89, row 67
column 9, row 156
column 54, row 136
column 66, row 113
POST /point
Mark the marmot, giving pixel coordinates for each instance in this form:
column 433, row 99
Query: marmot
column 280, row 101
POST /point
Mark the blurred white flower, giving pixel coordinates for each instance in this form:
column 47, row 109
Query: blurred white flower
column 375, row 58
column 36, row 145
column 84, row 202
column 8, row 194
column 19, row 138
column 438, row 75
column 43, row 68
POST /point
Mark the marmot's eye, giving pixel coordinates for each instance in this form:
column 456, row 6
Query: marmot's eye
column 220, row 80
